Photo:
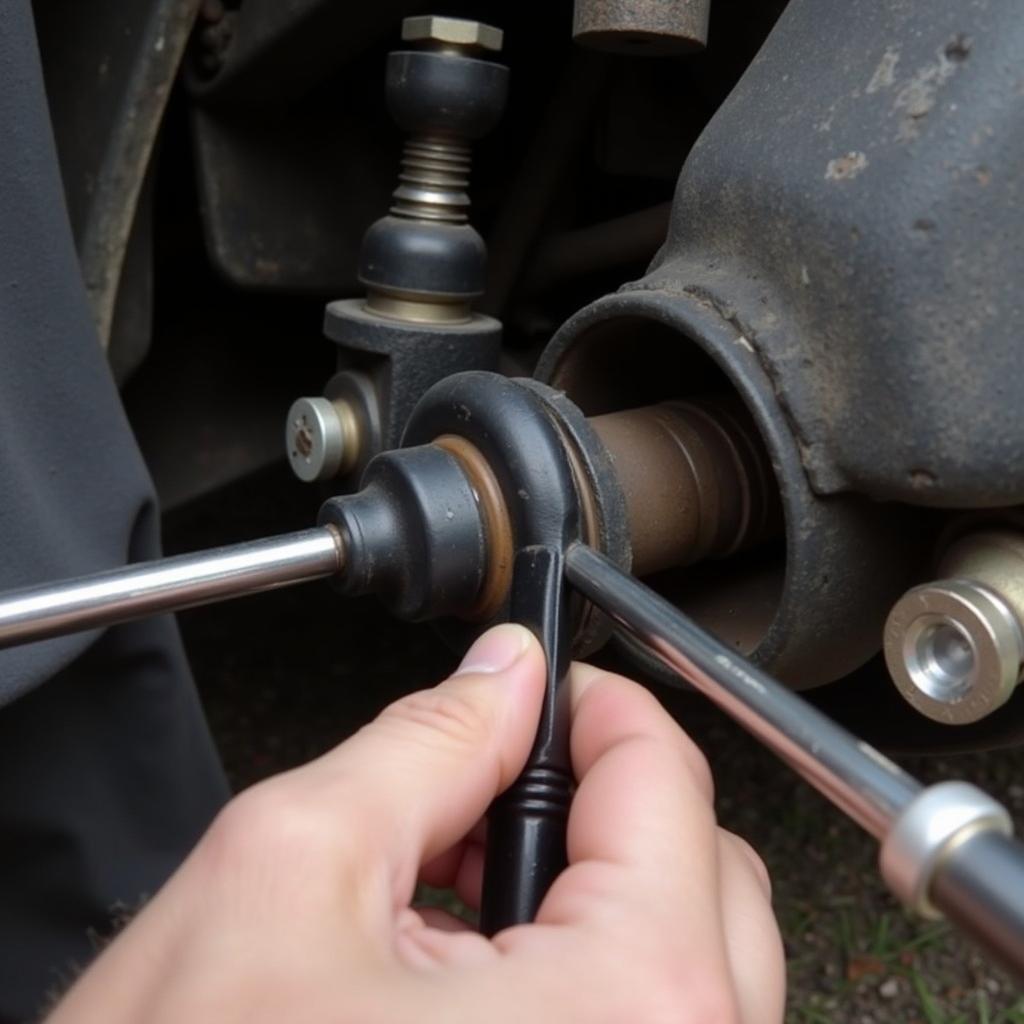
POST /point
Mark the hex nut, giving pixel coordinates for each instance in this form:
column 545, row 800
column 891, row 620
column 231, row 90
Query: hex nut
column 452, row 32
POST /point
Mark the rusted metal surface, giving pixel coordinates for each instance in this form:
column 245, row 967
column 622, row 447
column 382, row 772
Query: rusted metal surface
column 696, row 478
column 843, row 560
column 642, row 26
column 856, row 214
column 109, row 70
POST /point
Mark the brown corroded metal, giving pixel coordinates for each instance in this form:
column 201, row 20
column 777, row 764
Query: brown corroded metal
column 697, row 481
column 642, row 26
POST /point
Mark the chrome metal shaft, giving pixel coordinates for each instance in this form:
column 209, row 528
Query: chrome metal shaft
column 862, row 782
column 167, row 584
column 945, row 849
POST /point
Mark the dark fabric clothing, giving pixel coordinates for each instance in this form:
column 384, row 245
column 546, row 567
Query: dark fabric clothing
column 107, row 771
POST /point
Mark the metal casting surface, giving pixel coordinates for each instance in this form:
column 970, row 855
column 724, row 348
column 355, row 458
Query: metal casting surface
column 845, row 559
column 167, row 584
column 856, row 214
column 639, row 27
column 401, row 360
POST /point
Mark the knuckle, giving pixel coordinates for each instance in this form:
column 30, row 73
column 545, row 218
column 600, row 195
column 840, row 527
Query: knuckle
column 697, row 766
column 434, row 717
column 684, row 998
column 751, row 858
column 672, row 994
column 268, row 821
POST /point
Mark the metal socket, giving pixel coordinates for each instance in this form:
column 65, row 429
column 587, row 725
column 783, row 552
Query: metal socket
column 955, row 647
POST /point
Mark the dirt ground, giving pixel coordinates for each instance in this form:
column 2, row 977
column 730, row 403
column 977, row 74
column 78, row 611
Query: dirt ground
column 286, row 675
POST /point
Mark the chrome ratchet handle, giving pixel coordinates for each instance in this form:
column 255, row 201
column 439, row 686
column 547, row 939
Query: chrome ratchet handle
column 945, row 849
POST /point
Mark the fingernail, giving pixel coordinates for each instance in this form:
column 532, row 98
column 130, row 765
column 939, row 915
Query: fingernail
column 498, row 649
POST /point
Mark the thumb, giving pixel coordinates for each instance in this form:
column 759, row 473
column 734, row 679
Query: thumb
column 428, row 767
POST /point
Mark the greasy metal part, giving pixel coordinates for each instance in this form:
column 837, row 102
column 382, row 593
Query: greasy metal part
column 603, row 521
column 356, row 392
column 413, row 310
column 458, row 34
column 696, row 478
column 497, row 525
column 642, row 27
column 933, row 831
column 423, row 264
column 436, row 161
column 955, row 647
column 167, row 584
column 434, row 180
column 414, row 535
column 425, row 251
column 845, row 559
column 111, row 68
column 993, row 557
column 321, row 438
column 514, row 430
column 398, row 361
column 929, row 828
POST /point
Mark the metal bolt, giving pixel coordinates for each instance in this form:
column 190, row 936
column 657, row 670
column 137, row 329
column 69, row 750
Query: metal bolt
column 453, row 32
column 320, row 438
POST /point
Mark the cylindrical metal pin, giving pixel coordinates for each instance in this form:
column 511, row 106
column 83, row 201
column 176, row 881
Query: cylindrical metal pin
column 167, row 584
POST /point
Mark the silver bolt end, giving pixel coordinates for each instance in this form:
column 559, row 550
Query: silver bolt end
column 315, row 439
column 954, row 649
column 454, row 32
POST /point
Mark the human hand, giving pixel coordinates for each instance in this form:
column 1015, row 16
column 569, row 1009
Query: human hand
column 296, row 904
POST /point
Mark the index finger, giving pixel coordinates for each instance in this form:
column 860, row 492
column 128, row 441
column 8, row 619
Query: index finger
column 642, row 838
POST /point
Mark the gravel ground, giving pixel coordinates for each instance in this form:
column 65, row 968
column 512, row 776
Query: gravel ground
column 287, row 675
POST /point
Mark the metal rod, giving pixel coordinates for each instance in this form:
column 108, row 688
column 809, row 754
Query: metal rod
column 167, row 584
column 852, row 774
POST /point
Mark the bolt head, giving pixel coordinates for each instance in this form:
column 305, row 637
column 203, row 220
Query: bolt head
column 452, row 32
column 314, row 439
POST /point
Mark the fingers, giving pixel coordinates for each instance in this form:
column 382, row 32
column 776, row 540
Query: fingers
column 644, row 798
column 642, row 841
column 417, row 778
column 461, row 869
column 753, row 943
